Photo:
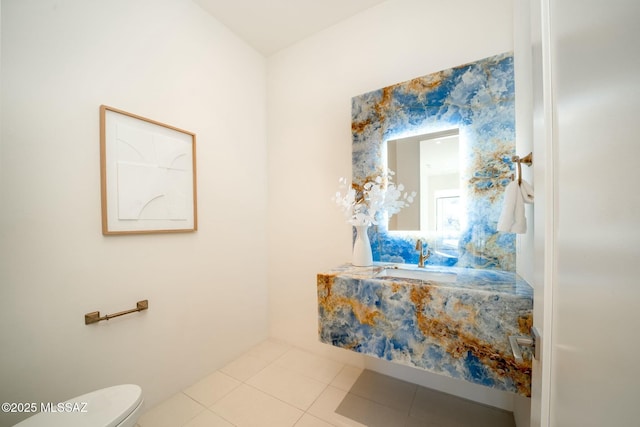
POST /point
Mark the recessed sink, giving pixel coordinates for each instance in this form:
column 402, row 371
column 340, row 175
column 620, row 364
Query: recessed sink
column 404, row 273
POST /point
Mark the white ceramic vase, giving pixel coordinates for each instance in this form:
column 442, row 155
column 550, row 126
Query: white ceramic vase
column 362, row 256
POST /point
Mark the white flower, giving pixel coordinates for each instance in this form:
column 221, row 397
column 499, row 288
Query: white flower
column 362, row 205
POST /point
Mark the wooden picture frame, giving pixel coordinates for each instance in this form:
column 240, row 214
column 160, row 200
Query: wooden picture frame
column 147, row 175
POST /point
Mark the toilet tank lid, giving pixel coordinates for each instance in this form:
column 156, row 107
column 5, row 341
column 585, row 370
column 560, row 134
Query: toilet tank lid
column 106, row 407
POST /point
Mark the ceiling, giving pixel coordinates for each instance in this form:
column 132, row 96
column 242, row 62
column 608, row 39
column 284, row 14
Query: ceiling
column 271, row 25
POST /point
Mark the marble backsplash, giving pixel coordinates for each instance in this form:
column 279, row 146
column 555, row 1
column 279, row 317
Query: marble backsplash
column 478, row 99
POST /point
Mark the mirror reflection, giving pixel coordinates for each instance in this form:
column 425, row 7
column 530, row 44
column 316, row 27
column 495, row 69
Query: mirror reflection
column 430, row 164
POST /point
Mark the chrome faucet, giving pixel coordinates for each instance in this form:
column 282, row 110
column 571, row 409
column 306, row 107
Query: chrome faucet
column 422, row 257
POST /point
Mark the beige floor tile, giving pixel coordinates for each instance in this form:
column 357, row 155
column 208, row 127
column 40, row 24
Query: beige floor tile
column 287, row 385
column 248, row 407
column 212, row 388
column 471, row 413
column 346, row 377
column 311, row 421
column 325, row 408
column 442, row 409
column 175, row 411
column 244, row 367
column 269, row 350
column 433, row 405
column 281, row 382
column 419, row 422
column 370, row 413
column 310, row 365
column 385, row 390
column 208, row 419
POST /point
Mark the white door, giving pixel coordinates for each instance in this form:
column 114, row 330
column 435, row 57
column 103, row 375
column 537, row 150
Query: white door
column 595, row 61
column 533, row 134
column 544, row 209
column 585, row 66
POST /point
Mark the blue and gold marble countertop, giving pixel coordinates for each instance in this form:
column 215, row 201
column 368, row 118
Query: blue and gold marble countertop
column 460, row 329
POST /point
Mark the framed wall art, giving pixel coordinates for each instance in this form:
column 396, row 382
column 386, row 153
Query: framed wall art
column 148, row 175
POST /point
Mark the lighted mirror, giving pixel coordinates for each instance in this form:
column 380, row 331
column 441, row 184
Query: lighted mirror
column 463, row 115
column 430, row 165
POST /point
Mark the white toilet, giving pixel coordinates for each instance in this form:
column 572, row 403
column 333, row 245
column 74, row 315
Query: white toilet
column 117, row 406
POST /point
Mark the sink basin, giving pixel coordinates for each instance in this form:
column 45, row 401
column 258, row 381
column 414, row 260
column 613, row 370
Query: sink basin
column 404, row 273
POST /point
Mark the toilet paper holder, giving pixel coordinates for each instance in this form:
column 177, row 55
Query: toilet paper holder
column 94, row 316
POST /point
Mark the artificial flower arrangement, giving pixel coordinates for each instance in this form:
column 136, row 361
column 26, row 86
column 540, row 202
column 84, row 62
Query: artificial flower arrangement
column 361, row 204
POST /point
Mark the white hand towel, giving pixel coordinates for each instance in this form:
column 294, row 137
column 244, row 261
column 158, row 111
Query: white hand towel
column 527, row 192
column 512, row 219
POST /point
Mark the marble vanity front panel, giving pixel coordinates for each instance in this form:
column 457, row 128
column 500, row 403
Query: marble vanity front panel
column 459, row 329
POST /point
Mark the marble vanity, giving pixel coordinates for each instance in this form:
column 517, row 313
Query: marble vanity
column 456, row 322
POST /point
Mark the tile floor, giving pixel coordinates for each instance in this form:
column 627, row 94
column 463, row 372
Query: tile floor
column 276, row 385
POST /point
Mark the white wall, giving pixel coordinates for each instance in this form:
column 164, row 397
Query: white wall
column 163, row 59
column 310, row 86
